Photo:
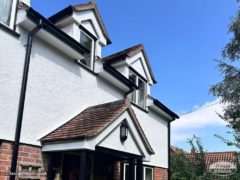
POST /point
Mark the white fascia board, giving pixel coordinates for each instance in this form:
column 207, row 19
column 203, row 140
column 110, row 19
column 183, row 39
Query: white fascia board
column 109, row 77
column 67, row 146
column 156, row 109
column 89, row 15
column 28, row 25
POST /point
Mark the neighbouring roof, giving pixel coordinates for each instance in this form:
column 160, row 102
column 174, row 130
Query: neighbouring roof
column 128, row 53
column 82, row 7
column 93, row 120
column 213, row 157
column 174, row 149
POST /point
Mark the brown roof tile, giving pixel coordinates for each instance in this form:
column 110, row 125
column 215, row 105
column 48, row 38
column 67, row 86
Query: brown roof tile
column 92, row 121
column 213, row 157
column 128, row 53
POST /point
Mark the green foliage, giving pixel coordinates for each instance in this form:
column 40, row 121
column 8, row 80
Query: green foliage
column 228, row 90
column 190, row 166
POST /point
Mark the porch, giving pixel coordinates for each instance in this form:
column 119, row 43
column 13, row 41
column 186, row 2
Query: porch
column 104, row 142
column 102, row 164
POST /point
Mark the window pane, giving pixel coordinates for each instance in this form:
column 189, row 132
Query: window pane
column 148, row 174
column 87, row 43
column 126, row 171
column 141, row 93
column 133, row 79
column 5, row 11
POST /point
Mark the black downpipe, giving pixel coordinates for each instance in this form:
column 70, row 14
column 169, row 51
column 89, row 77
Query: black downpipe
column 22, row 100
column 169, row 149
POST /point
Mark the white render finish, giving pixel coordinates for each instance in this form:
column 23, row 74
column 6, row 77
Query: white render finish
column 11, row 67
column 155, row 128
column 59, row 89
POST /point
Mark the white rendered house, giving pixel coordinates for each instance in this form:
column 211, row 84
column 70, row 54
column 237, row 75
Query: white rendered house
column 80, row 115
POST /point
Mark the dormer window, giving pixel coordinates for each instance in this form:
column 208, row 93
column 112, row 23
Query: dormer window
column 138, row 96
column 7, row 11
column 87, row 42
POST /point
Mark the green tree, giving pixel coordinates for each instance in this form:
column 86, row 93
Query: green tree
column 228, row 90
column 185, row 166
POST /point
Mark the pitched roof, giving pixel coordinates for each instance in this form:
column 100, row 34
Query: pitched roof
column 128, row 53
column 213, row 157
column 82, row 7
column 93, row 120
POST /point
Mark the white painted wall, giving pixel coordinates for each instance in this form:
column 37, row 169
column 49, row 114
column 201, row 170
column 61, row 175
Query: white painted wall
column 11, row 66
column 155, row 128
column 113, row 141
column 58, row 89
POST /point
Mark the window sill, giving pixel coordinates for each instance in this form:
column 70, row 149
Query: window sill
column 86, row 68
column 9, row 30
column 139, row 107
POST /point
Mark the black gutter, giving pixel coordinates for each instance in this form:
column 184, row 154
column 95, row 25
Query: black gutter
column 68, row 11
column 87, row 32
column 165, row 109
column 52, row 29
column 119, row 76
column 138, row 74
column 22, row 100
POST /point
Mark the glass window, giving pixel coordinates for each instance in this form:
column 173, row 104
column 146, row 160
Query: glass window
column 87, row 42
column 138, row 96
column 141, row 93
column 126, row 171
column 148, row 174
column 133, row 78
column 5, row 11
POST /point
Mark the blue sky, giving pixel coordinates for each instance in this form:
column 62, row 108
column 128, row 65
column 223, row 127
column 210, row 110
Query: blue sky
column 182, row 38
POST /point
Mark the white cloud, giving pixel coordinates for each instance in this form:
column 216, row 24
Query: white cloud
column 200, row 117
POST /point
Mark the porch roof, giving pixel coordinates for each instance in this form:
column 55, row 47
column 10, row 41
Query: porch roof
column 94, row 120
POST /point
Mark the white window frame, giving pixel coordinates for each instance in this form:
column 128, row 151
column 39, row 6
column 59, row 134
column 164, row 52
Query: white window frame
column 12, row 15
column 136, row 92
column 92, row 49
column 124, row 168
column 144, row 172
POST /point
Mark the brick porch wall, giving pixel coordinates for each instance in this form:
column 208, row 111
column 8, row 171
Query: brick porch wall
column 117, row 170
column 28, row 155
column 160, row 173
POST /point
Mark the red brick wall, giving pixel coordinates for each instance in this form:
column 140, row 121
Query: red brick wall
column 160, row 173
column 27, row 155
column 117, row 170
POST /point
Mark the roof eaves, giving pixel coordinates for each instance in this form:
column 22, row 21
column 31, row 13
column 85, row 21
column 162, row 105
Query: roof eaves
column 164, row 108
column 66, row 12
column 92, row 6
column 107, row 67
column 128, row 53
column 52, row 29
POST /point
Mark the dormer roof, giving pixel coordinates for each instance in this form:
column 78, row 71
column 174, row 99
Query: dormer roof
column 128, row 53
column 80, row 8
